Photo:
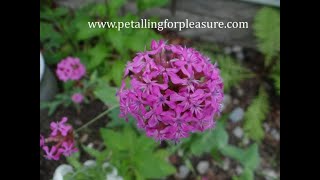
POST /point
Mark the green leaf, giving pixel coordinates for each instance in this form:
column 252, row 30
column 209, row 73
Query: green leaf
column 117, row 121
column 218, row 137
column 267, row 30
column 84, row 32
column 73, row 160
column 98, row 10
column 231, row 71
column 117, row 72
column 247, row 174
column 51, row 106
column 106, row 94
column 97, row 55
column 53, row 14
column 92, row 152
column 138, row 40
column 49, row 37
column 146, row 4
column 114, row 6
column 276, row 76
column 255, row 114
column 151, row 166
column 147, row 144
column 114, row 140
column 130, row 137
column 118, row 40
column 249, row 157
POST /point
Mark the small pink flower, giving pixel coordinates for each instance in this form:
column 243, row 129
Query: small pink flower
column 61, row 138
column 174, row 91
column 77, row 98
column 70, row 68
column 60, row 127
column 52, row 154
column 42, row 141
column 68, row 148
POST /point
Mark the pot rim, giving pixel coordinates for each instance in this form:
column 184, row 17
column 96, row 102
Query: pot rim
column 42, row 66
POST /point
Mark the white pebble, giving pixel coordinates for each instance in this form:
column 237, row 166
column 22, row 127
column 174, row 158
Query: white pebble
column 238, row 132
column 203, row 167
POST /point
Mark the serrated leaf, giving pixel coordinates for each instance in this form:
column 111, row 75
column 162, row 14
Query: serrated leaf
column 247, row 174
column 117, row 72
column 106, row 94
column 114, row 140
column 84, row 32
column 73, row 160
column 218, row 137
column 255, row 114
column 138, row 40
column 97, row 55
column 232, row 72
column 117, row 122
column 118, row 40
column 50, row 38
column 267, row 30
column 249, row 157
column 149, row 169
column 92, row 152
column 146, row 144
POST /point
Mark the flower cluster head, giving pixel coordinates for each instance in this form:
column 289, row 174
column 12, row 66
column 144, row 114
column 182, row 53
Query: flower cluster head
column 70, row 68
column 77, row 98
column 62, row 139
column 174, row 91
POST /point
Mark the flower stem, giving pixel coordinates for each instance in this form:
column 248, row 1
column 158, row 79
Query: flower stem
column 96, row 118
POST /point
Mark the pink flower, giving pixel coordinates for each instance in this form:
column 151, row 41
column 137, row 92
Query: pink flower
column 174, row 91
column 70, row 68
column 77, row 98
column 61, row 138
column 68, row 148
column 42, row 141
column 60, row 127
column 52, row 154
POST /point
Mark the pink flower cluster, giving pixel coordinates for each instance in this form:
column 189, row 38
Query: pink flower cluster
column 62, row 139
column 77, row 98
column 174, row 91
column 70, row 68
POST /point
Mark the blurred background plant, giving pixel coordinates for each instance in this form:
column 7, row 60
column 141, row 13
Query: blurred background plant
column 234, row 149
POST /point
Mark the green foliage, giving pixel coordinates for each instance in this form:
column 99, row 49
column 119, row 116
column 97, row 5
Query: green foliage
column 249, row 157
column 60, row 99
column 98, row 55
column 216, row 142
column 213, row 139
column 255, row 114
column 231, row 71
column 64, row 32
column 247, row 174
column 114, row 6
column 146, row 4
column 95, row 172
column 117, row 72
column 267, row 30
column 135, row 156
column 116, row 122
column 276, row 77
column 106, row 94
